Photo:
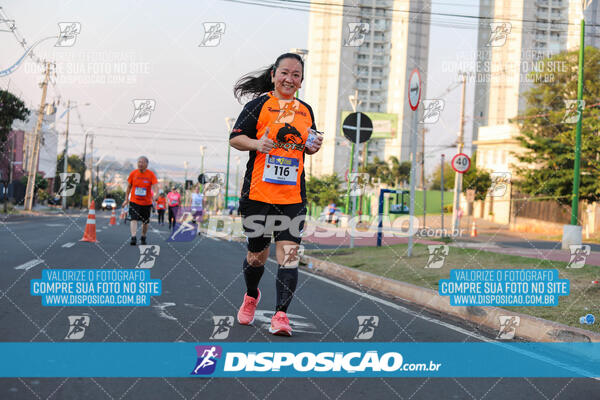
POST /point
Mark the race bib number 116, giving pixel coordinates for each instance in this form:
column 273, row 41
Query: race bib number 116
column 281, row 170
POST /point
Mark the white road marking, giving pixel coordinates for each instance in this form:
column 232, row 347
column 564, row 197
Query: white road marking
column 30, row 264
column 160, row 308
column 154, row 230
column 55, row 225
column 67, row 245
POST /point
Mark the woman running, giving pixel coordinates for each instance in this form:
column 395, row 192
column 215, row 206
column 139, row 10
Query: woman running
column 274, row 127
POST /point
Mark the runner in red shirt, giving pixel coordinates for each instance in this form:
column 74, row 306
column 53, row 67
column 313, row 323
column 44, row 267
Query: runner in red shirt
column 142, row 185
column 161, row 207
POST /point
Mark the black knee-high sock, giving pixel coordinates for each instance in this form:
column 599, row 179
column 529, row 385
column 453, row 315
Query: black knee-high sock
column 252, row 276
column 287, row 278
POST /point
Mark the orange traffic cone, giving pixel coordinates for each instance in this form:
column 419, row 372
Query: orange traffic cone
column 473, row 229
column 90, row 227
column 113, row 218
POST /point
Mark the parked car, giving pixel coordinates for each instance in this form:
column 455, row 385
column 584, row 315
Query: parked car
column 109, row 204
column 56, row 200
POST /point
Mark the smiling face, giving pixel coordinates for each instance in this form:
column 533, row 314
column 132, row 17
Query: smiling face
column 287, row 78
column 142, row 163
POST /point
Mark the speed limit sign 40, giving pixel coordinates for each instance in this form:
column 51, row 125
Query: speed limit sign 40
column 461, row 163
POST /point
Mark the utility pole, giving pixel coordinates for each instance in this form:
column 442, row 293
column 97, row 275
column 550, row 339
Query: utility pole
column 459, row 177
column 66, row 156
column 32, row 162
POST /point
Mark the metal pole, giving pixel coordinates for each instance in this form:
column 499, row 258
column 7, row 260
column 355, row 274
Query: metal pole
column 576, row 173
column 229, row 121
column 458, row 177
column 413, row 152
column 91, row 171
column 66, row 156
column 33, row 161
column 442, row 192
column 354, row 170
column 423, row 179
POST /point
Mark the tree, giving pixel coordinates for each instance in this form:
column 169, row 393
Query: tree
column 548, row 162
column 400, row 171
column 378, row 169
column 11, row 109
column 476, row 179
column 322, row 191
column 436, row 180
column 74, row 164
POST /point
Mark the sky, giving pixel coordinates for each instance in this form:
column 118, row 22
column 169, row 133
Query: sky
column 151, row 50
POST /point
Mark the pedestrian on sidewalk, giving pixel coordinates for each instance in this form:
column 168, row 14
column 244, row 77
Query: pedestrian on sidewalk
column 273, row 128
column 141, row 186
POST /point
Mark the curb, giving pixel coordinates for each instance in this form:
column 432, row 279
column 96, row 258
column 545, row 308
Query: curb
column 532, row 329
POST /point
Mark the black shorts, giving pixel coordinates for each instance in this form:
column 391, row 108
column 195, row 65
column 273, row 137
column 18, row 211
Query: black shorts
column 139, row 213
column 259, row 229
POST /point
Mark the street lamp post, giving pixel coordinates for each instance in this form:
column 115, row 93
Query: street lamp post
column 572, row 234
column 66, row 156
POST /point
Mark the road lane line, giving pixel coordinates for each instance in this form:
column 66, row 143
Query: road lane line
column 30, row 264
column 67, row 245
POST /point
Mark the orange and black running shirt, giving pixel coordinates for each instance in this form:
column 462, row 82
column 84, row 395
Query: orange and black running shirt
column 141, row 186
column 277, row 177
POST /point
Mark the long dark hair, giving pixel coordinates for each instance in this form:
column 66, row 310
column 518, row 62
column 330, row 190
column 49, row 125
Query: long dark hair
column 258, row 82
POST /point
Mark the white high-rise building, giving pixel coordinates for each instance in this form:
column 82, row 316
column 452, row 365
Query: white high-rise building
column 521, row 33
column 369, row 46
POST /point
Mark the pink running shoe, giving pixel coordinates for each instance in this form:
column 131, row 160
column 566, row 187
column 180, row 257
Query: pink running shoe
column 280, row 325
column 245, row 315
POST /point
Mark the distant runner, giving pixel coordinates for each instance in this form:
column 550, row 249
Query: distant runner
column 142, row 185
column 197, row 205
column 173, row 201
column 161, row 207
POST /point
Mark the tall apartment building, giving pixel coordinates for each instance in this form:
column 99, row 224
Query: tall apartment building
column 535, row 29
column 377, row 65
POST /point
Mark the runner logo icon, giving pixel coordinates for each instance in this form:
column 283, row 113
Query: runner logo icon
column 207, row 359
column 68, row 33
column 68, row 184
column 212, row 34
column 366, row 326
column 183, row 232
column 432, row 109
column 573, row 109
column 357, row 33
column 508, row 326
column 499, row 33
column 579, row 253
column 437, row 255
column 148, row 256
column 223, row 323
column 77, row 326
column 142, row 110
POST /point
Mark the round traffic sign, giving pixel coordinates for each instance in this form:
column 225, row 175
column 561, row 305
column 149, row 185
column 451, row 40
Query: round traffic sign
column 461, row 163
column 350, row 124
column 414, row 89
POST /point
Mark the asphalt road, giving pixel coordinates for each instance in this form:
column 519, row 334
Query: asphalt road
column 202, row 279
